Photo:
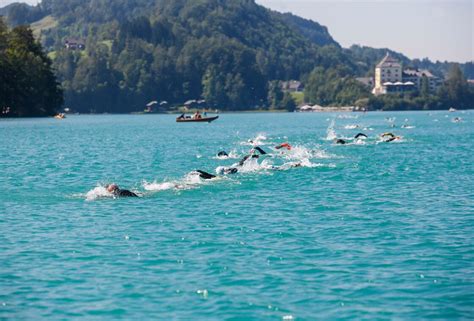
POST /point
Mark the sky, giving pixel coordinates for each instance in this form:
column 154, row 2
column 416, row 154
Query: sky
column 437, row 29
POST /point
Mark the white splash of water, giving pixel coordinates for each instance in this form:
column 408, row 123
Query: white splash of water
column 98, row 192
column 360, row 141
column 301, row 163
column 398, row 139
column 353, row 126
column 256, row 141
column 298, row 152
column 159, row 186
column 252, row 165
column 331, row 133
column 189, row 181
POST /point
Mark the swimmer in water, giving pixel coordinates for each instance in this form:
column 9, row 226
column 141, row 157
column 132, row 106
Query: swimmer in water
column 235, row 168
column 283, row 145
column 389, row 137
column 252, row 151
column 258, row 149
column 359, row 135
column 118, row 192
column 287, row 166
column 204, row 175
column 245, row 158
column 339, row 141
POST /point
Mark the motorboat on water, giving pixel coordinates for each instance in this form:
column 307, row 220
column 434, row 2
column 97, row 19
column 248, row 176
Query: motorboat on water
column 196, row 118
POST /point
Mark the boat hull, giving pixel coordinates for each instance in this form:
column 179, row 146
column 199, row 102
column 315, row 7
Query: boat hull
column 197, row 120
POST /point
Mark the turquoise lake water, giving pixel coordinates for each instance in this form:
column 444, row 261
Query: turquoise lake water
column 366, row 230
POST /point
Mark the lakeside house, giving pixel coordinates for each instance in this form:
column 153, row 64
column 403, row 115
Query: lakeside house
column 416, row 76
column 74, row 44
column 194, row 103
column 390, row 77
column 292, row 86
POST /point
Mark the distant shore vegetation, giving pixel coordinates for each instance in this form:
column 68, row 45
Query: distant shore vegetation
column 28, row 84
column 116, row 57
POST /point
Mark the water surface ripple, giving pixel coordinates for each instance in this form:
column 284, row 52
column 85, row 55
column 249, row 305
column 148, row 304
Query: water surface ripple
column 365, row 231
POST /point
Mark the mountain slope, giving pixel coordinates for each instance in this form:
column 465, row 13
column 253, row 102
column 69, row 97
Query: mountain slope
column 226, row 52
column 175, row 50
column 312, row 30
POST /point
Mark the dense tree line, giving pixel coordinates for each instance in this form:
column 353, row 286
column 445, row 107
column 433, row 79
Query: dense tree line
column 233, row 54
column 334, row 86
column 28, row 85
column 226, row 52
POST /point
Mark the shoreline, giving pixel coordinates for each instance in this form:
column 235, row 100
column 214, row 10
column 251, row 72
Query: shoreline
column 248, row 112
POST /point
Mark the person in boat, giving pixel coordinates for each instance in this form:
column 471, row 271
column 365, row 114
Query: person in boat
column 197, row 115
column 118, row 192
column 182, row 116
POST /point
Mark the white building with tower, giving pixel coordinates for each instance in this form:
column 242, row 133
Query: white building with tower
column 387, row 72
column 391, row 78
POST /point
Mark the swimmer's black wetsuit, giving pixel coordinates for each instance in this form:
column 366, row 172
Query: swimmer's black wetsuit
column 242, row 161
column 230, row 170
column 234, row 170
column 360, row 135
column 124, row 193
column 205, row 175
column 222, row 154
column 340, row 141
column 261, row 151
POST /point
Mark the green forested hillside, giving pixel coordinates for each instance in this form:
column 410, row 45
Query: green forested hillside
column 28, row 86
column 230, row 53
column 310, row 29
column 141, row 50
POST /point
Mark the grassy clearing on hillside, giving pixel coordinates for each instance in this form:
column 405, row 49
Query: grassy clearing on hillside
column 46, row 23
column 298, row 97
